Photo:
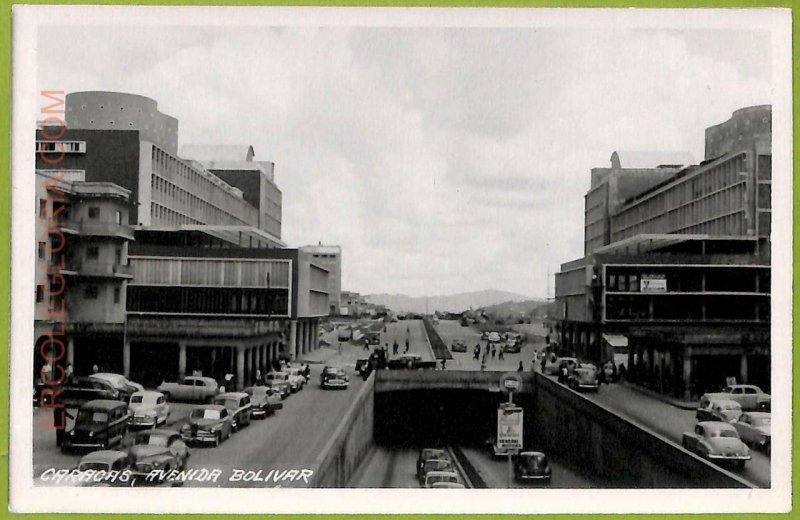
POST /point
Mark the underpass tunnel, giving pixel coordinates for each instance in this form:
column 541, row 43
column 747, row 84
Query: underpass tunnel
column 430, row 418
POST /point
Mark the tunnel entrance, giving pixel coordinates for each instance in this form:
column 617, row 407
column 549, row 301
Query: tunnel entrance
column 440, row 417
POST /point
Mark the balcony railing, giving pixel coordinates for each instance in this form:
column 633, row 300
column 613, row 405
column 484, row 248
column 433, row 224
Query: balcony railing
column 98, row 228
column 100, row 269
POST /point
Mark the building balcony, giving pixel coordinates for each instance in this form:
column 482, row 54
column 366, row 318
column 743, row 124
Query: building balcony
column 99, row 269
column 97, row 229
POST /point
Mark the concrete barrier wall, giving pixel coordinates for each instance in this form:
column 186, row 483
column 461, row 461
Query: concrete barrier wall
column 349, row 443
column 614, row 449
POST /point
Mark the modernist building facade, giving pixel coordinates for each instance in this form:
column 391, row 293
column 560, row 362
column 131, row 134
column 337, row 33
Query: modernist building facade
column 677, row 266
column 208, row 286
column 330, row 257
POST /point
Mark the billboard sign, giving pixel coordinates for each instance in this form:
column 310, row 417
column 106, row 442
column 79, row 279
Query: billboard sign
column 653, row 283
column 509, row 428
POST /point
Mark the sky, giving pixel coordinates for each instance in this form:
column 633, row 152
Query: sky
column 441, row 160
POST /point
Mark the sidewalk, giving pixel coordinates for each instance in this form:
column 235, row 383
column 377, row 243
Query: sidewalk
column 332, row 356
column 674, row 401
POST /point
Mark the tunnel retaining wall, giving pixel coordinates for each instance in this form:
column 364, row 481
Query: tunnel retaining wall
column 350, row 442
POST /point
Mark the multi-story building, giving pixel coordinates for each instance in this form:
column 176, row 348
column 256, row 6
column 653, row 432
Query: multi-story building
column 679, row 268
column 351, row 304
column 330, row 257
column 210, row 288
column 82, row 268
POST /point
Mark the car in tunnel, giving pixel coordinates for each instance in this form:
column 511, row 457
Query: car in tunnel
column 447, row 485
column 440, row 476
column 426, row 454
column 435, row 465
column 717, row 442
column 531, row 467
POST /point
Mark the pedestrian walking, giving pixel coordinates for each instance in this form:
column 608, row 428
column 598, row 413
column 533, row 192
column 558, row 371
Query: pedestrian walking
column 60, row 415
column 407, row 345
column 494, row 351
column 500, row 355
column 476, row 352
column 543, row 362
column 395, row 347
column 519, row 368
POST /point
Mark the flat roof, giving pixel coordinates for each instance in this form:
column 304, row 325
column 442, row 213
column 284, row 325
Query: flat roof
column 231, row 234
column 646, row 242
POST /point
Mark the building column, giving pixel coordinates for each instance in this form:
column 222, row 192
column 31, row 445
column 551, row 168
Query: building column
column 181, row 360
column 71, row 352
column 743, row 368
column 126, row 358
column 687, row 375
column 293, row 338
column 307, row 345
column 316, row 335
column 239, row 366
column 260, row 361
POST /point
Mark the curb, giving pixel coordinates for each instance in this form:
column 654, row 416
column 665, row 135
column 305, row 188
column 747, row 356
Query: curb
column 683, row 405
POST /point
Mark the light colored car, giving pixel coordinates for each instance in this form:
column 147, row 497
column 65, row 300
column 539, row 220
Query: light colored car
column 584, row 377
column 264, row 400
column 296, row 378
column 755, row 429
column 192, row 388
column 108, row 467
column 148, row 409
column 120, row 383
column 493, row 337
column 159, row 448
column 551, row 367
column 207, row 423
column 435, row 465
column 717, row 442
column 723, row 410
column 283, row 377
column 440, row 476
column 239, row 407
column 750, row 397
column 447, row 485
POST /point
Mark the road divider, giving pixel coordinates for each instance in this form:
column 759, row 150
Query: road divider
column 438, row 346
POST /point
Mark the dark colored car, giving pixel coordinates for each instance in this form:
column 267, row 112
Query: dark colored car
column 458, row 346
column 532, row 467
column 333, row 377
column 99, row 424
column 80, row 390
column 157, row 449
column 207, row 423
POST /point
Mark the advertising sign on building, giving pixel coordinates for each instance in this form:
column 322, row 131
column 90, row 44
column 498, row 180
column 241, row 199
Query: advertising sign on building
column 653, row 283
column 509, row 427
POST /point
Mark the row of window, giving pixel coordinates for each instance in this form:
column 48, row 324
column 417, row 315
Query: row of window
column 162, row 215
column 60, row 146
column 169, row 193
column 61, row 212
column 212, row 272
column 90, row 292
column 208, row 300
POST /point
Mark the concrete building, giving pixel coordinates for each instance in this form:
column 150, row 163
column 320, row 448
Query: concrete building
column 82, row 268
column 217, row 310
column 678, row 271
column 329, row 257
column 351, row 304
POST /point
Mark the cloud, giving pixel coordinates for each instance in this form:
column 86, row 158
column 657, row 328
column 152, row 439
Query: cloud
column 441, row 160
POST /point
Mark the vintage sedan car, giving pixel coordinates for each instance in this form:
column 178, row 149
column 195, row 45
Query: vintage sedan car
column 99, row 425
column 282, row 377
column 192, row 388
column 157, row 449
column 296, row 378
column 552, row 367
column 532, row 467
column 120, row 383
column 447, row 485
column 333, row 377
column 430, row 454
column 109, row 467
column 493, row 337
column 723, row 410
column 440, row 476
column 584, row 377
column 755, row 430
column 717, row 442
column 81, row 390
column 280, row 387
column 435, row 465
column 207, row 423
column 485, row 335
column 239, row 408
column 264, row 401
column 750, row 397
column 458, row 345
column 148, row 409
column 512, row 346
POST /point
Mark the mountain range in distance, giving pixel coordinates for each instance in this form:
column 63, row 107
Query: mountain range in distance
column 445, row 303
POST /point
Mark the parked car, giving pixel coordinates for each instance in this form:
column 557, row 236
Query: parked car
column 192, row 388
column 264, row 400
column 279, row 386
column 207, row 423
column 296, row 378
column 532, row 466
column 81, row 390
column 717, row 442
column 239, row 408
column 150, row 446
column 493, row 337
column 755, row 430
column 723, row 410
column 109, row 467
column 750, row 397
column 99, row 425
column 148, row 409
column 120, row 383
column 584, row 377
column 552, row 367
column 429, row 454
column 485, row 335
column 439, row 476
column 333, row 377
column 458, row 345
